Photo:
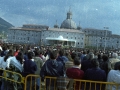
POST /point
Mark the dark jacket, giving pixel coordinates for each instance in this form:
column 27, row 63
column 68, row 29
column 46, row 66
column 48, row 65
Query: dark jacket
column 95, row 74
column 85, row 64
column 62, row 59
column 52, row 68
column 29, row 67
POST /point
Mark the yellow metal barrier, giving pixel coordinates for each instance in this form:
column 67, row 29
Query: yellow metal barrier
column 82, row 85
column 94, row 85
column 10, row 77
column 50, row 83
column 31, row 82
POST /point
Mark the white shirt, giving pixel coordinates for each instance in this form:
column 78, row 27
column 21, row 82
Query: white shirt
column 14, row 61
column 113, row 76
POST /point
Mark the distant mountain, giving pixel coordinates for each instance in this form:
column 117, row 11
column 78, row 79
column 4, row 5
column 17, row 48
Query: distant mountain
column 4, row 25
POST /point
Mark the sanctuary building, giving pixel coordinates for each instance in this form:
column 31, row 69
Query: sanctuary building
column 68, row 34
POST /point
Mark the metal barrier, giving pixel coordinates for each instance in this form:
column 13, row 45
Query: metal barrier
column 50, row 83
column 81, row 85
column 11, row 79
column 94, row 85
column 31, row 82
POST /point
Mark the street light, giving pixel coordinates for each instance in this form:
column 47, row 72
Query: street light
column 105, row 36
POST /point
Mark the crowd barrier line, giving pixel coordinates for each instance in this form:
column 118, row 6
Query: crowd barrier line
column 31, row 76
column 85, row 82
column 5, row 76
column 24, row 81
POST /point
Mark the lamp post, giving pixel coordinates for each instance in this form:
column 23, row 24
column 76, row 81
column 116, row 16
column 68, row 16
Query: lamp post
column 105, row 28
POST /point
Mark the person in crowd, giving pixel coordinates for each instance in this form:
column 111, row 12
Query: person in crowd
column 75, row 72
column 16, row 61
column 42, row 56
column 114, row 59
column 114, row 76
column 1, row 47
column 100, row 60
column 61, row 57
column 106, row 65
column 3, row 65
column 14, row 64
column 16, row 52
column 74, row 55
column 39, row 64
column 3, row 52
column 29, row 67
column 69, row 63
column 3, row 60
column 83, row 55
column 53, row 68
column 25, row 55
column 94, row 74
column 86, row 63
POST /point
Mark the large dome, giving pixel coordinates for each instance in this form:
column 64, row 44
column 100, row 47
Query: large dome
column 68, row 24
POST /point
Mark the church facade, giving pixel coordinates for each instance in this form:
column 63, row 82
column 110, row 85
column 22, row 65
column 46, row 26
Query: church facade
column 68, row 34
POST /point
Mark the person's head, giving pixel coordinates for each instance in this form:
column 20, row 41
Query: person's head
column 90, row 56
column 95, row 62
column 53, row 54
column 73, row 55
column 77, row 61
column 19, row 57
column 61, row 52
column 114, row 55
column 84, row 52
column 10, row 53
column 105, row 57
column 17, row 50
column 37, row 52
column 30, row 55
column 117, row 66
column 99, row 56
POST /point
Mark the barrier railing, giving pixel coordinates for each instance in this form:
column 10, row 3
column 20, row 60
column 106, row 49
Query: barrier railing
column 11, row 79
column 95, row 85
column 50, row 83
column 15, row 81
column 81, row 85
column 30, row 82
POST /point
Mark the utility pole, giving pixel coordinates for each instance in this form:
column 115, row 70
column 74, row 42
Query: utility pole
column 105, row 28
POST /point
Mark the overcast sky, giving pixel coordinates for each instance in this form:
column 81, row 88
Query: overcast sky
column 90, row 13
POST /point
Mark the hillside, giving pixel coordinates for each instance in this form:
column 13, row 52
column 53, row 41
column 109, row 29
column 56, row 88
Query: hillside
column 4, row 25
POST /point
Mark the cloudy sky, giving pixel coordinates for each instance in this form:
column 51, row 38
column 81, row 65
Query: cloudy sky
column 90, row 13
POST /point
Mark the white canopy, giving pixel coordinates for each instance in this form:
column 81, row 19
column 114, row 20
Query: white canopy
column 60, row 38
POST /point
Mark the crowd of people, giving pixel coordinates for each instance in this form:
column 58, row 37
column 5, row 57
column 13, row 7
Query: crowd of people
column 72, row 63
